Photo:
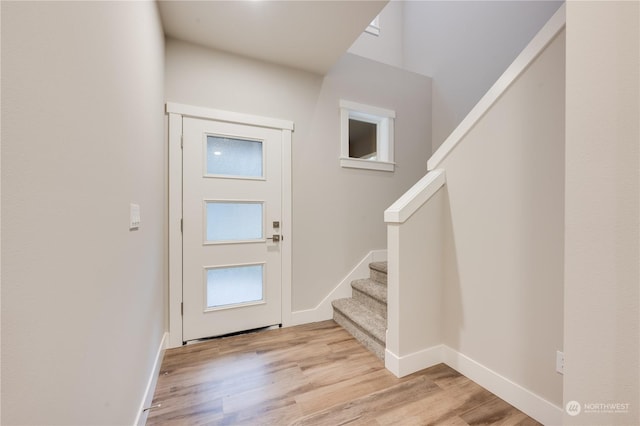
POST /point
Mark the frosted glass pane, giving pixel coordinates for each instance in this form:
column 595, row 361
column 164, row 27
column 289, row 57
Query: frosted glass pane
column 228, row 221
column 234, row 285
column 234, row 157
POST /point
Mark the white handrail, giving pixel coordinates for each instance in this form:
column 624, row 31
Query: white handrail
column 426, row 187
column 415, row 197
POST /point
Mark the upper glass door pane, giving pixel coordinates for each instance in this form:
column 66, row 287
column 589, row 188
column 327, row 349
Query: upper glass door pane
column 234, row 157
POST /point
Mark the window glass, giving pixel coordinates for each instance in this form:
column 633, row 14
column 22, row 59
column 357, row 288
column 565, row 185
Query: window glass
column 234, row 157
column 234, row 285
column 233, row 221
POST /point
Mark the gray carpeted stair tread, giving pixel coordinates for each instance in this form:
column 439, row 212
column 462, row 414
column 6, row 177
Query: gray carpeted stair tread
column 364, row 318
column 378, row 272
column 364, row 315
column 373, row 345
column 379, row 266
column 373, row 289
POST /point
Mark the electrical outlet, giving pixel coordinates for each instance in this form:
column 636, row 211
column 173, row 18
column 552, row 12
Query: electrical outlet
column 560, row 362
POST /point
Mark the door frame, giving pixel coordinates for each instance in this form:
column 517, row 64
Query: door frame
column 176, row 112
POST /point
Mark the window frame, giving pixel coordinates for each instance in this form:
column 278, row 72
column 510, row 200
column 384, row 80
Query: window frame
column 384, row 120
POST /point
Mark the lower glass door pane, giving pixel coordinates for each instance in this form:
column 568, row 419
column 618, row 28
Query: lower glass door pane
column 234, row 285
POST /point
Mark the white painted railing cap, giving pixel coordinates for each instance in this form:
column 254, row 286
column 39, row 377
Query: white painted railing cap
column 415, row 197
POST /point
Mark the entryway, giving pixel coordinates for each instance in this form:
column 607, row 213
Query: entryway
column 234, row 201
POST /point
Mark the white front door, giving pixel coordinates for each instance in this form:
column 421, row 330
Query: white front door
column 232, row 221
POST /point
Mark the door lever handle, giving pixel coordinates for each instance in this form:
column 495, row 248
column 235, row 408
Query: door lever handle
column 275, row 238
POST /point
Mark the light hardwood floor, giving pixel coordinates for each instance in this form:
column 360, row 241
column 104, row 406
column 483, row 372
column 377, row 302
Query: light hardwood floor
column 314, row 374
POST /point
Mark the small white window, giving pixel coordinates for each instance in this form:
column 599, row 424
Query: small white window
column 366, row 136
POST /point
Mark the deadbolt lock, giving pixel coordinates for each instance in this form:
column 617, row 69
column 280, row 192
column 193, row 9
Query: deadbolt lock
column 276, row 224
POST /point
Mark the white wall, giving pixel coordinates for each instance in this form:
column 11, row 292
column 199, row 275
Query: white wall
column 82, row 137
column 387, row 47
column 465, row 46
column 602, row 234
column 337, row 212
column 503, row 295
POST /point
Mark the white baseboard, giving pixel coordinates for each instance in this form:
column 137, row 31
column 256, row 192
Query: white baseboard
column 405, row 365
column 524, row 400
column 324, row 311
column 141, row 417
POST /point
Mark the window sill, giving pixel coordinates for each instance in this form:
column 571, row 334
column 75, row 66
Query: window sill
column 357, row 163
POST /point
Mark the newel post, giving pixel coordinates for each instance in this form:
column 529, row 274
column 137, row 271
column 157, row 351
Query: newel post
column 415, row 248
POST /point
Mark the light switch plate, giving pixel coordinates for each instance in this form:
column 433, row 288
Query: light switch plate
column 134, row 216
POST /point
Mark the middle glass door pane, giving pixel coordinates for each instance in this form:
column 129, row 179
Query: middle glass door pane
column 233, row 221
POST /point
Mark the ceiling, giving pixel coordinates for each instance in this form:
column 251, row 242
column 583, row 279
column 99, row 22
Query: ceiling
column 308, row 35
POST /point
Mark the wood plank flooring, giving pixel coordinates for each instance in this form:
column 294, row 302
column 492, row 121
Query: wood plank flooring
column 314, row 374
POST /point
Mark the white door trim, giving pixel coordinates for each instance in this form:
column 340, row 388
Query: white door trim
column 176, row 112
column 228, row 116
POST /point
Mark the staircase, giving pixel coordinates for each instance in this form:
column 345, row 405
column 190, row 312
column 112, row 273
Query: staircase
column 364, row 315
